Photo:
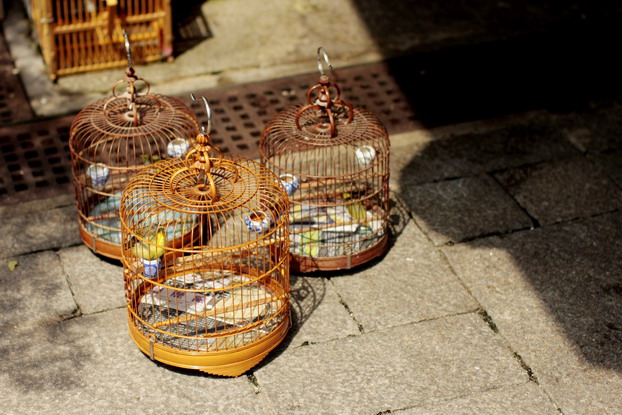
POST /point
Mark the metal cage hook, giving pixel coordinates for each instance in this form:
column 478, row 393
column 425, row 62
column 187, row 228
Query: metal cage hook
column 128, row 48
column 208, row 112
column 321, row 52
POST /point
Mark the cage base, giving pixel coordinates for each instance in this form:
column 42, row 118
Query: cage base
column 302, row 263
column 232, row 362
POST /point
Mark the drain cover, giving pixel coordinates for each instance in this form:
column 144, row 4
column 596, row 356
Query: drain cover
column 37, row 163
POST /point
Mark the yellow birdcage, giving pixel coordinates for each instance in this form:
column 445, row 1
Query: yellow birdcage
column 85, row 35
column 333, row 160
column 219, row 304
column 112, row 139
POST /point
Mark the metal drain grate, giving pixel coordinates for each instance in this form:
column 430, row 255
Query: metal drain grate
column 241, row 112
column 36, row 157
column 37, row 162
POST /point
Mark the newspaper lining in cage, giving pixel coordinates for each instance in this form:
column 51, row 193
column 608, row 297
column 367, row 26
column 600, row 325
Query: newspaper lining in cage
column 196, row 311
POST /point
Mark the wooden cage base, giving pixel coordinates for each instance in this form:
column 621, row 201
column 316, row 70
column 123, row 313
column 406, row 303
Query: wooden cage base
column 302, row 263
column 232, row 362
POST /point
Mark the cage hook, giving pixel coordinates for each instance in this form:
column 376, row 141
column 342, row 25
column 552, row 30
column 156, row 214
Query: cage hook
column 321, row 53
column 208, row 112
column 128, row 48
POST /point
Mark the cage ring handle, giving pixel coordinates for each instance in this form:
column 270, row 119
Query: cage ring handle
column 128, row 48
column 208, row 113
column 321, row 53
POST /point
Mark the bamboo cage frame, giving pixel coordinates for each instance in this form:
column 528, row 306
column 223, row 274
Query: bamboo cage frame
column 86, row 35
column 334, row 162
column 113, row 139
column 220, row 302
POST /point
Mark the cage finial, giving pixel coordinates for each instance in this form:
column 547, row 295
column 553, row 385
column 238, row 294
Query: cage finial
column 325, row 97
column 208, row 113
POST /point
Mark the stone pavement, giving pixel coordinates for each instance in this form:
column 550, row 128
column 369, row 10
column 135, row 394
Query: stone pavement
column 501, row 292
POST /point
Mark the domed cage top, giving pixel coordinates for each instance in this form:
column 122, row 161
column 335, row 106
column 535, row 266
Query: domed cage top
column 112, row 139
column 220, row 302
column 333, row 160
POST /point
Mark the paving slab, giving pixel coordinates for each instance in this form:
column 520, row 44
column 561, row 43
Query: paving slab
column 90, row 365
column 611, row 164
column 317, row 312
column 524, row 399
column 96, row 282
column 397, row 367
column 562, row 190
column 411, row 283
column 36, row 290
column 454, row 210
column 555, row 294
column 473, row 153
column 26, row 232
column 593, row 131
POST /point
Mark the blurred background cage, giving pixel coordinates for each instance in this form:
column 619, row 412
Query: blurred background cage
column 86, row 35
column 333, row 160
column 219, row 304
column 112, row 139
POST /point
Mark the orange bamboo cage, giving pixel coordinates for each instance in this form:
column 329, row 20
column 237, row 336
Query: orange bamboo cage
column 85, row 35
column 112, row 139
column 220, row 302
column 333, row 160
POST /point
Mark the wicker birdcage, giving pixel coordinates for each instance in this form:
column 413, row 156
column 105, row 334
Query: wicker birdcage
column 219, row 304
column 112, row 139
column 333, row 161
column 86, row 35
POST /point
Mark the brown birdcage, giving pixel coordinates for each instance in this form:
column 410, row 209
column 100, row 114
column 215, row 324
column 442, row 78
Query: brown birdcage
column 219, row 304
column 85, row 35
column 113, row 138
column 333, row 161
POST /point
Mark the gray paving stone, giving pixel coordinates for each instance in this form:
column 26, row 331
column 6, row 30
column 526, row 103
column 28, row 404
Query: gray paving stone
column 562, row 190
column 90, row 365
column 399, row 367
column 97, row 284
column 411, row 283
column 611, row 164
column 524, row 399
column 38, row 230
column 470, row 154
column 555, row 294
column 317, row 312
column 35, row 291
column 594, row 131
column 454, row 210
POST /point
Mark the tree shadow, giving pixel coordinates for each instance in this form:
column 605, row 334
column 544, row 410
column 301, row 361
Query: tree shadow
column 524, row 193
column 478, row 60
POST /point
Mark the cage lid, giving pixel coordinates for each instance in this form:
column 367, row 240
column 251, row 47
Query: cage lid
column 326, row 120
column 100, row 132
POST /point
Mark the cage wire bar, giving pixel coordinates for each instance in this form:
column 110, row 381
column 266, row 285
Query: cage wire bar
column 85, row 35
column 112, row 139
column 220, row 302
column 333, row 161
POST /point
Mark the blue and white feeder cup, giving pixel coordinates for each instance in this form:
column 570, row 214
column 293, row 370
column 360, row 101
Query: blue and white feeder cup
column 177, row 147
column 99, row 174
column 365, row 155
column 257, row 222
column 290, row 183
column 151, row 267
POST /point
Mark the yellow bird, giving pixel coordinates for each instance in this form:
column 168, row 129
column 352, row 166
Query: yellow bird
column 153, row 245
column 356, row 210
